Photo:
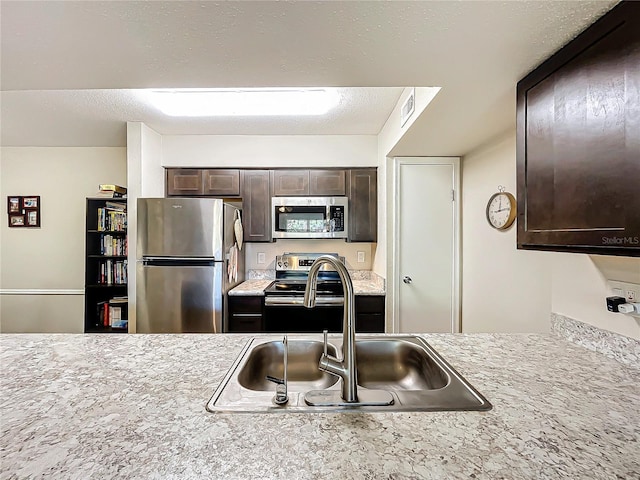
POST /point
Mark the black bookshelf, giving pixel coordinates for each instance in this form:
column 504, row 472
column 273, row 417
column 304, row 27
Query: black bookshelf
column 106, row 269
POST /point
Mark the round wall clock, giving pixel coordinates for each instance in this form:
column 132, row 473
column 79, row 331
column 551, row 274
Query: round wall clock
column 501, row 209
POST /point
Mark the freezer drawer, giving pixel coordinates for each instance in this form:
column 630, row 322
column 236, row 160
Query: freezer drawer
column 179, row 299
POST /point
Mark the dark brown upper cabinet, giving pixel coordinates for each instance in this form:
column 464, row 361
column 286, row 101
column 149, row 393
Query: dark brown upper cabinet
column 256, row 187
column 256, row 205
column 184, row 182
column 221, row 182
column 289, row 183
column 327, row 182
column 363, row 205
column 578, row 142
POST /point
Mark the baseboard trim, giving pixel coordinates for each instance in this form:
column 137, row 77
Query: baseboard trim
column 41, row 291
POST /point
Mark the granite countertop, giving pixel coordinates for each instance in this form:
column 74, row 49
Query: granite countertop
column 364, row 283
column 132, row 406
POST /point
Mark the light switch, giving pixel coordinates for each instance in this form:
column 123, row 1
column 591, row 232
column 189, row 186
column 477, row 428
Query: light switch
column 261, row 258
column 360, row 257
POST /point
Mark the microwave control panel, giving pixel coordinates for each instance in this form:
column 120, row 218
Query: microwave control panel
column 337, row 217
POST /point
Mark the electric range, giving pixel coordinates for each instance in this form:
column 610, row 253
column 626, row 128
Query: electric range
column 284, row 310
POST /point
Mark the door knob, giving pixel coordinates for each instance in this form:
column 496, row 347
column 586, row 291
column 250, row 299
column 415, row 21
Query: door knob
column 407, row 279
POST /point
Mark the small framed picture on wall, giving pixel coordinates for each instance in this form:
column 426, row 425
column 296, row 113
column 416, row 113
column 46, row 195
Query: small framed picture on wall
column 14, row 205
column 16, row 220
column 23, row 211
column 33, row 218
column 30, row 202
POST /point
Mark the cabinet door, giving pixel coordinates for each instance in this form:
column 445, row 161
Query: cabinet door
column 370, row 313
column 222, row 183
column 184, row 182
column 245, row 314
column 287, row 183
column 578, row 147
column 363, row 205
column 327, row 182
column 256, row 205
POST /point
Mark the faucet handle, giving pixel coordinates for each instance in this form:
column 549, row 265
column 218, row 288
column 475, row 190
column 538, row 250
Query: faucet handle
column 276, row 380
column 325, row 333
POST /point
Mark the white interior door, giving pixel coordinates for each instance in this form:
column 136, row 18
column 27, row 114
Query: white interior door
column 426, row 245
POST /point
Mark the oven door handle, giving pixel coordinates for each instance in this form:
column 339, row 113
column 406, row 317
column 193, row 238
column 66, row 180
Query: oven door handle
column 284, row 301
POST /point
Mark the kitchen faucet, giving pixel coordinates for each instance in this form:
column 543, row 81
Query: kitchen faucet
column 346, row 369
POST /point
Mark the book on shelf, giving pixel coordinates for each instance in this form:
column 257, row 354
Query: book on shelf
column 113, row 313
column 110, row 220
column 105, row 187
column 118, row 206
column 112, row 272
column 111, row 245
column 109, row 194
column 118, row 315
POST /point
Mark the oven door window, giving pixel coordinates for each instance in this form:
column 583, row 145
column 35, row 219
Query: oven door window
column 301, row 219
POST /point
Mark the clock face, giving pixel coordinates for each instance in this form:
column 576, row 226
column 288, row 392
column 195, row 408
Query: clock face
column 501, row 210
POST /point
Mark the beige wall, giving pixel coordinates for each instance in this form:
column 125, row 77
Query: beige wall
column 347, row 250
column 50, row 259
column 503, row 289
column 580, row 288
column 510, row 290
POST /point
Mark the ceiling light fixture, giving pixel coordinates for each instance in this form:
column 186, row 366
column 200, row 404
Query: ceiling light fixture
column 243, row 102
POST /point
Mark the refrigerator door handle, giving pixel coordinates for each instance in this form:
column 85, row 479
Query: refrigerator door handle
column 185, row 261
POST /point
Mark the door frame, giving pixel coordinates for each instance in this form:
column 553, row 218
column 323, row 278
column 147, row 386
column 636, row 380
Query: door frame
column 395, row 240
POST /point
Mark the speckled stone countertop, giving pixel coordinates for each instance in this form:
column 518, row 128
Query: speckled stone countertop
column 364, row 283
column 132, row 406
column 250, row 288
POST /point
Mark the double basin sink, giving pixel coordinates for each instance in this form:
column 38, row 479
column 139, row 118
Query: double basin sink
column 406, row 366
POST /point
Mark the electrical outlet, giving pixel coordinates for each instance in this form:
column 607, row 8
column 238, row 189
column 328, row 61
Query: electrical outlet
column 261, row 257
column 360, row 257
column 630, row 291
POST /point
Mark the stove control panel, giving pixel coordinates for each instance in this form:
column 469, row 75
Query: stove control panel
column 301, row 261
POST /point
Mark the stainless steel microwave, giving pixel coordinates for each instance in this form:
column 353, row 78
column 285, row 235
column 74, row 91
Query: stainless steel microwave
column 310, row 217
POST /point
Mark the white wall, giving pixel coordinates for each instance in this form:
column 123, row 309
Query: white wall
column 503, row 289
column 267, row 151
column 46, row 264
column 145, row 179
column 390, row 135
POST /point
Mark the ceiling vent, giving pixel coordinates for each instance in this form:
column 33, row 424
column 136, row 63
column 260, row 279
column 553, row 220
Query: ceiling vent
column 408, row 107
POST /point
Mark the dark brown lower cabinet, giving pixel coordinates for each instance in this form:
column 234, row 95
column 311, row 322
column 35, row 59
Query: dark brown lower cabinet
column 245, row 314
column 370, row 313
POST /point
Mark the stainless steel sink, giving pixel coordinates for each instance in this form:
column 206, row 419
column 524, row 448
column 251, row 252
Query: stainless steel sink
column 406, row 366
column 397, row 365
column 302, row 370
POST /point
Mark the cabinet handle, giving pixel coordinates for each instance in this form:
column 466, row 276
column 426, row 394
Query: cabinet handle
column 407, row 279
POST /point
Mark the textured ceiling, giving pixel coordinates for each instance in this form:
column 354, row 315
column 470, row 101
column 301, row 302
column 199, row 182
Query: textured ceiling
column 476, row 51
column 98, row 117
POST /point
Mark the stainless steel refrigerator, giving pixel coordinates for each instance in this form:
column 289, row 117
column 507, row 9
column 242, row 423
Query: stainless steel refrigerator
column 186, row 249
